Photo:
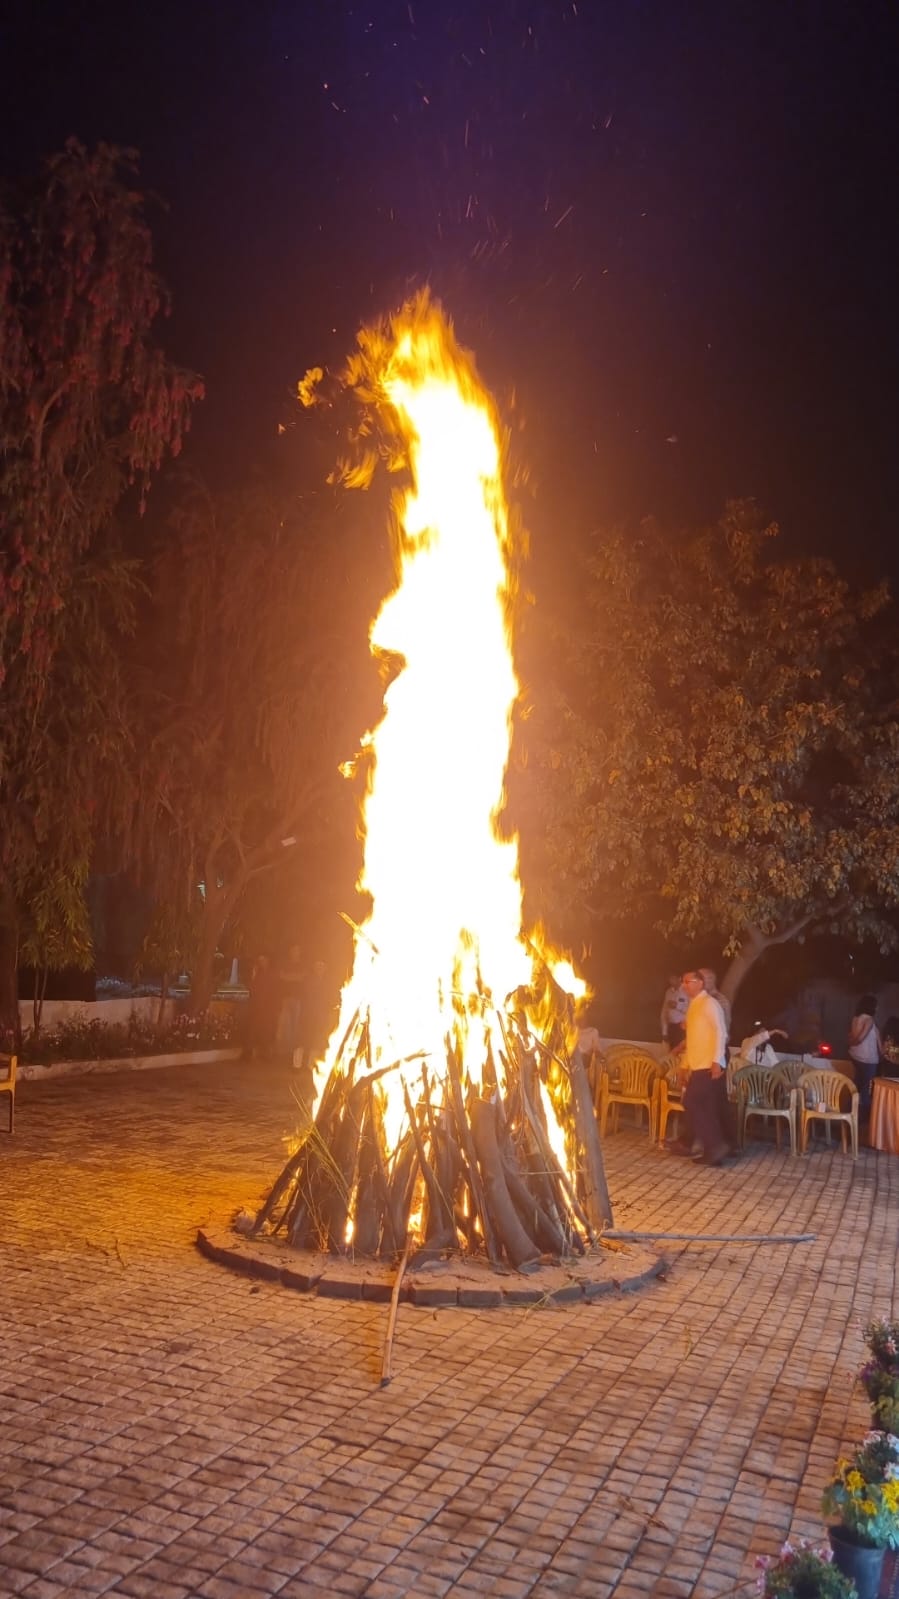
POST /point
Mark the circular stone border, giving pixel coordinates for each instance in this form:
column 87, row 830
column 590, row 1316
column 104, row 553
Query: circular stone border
column 472, row 1284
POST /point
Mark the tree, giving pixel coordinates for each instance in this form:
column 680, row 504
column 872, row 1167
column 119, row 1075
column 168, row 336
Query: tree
column 248, row 698
column 721, row 746
column 89, row 407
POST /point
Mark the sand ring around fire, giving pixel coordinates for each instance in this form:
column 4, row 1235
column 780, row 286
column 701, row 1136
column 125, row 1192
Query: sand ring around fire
column 469, row 1284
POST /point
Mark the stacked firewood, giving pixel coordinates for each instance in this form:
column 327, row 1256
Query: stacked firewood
column 473, row 1169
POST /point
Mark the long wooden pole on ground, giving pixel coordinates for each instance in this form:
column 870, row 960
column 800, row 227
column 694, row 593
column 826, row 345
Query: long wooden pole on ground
column 386, row 1372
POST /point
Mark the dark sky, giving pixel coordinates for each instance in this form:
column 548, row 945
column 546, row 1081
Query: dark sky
column 670, row 227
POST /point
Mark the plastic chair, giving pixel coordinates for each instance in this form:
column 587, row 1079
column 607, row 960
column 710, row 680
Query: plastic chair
column 669, row 1102
column 635, row 1084
column 616, row 1051
column 820, row 1096
column 759, row 1093
column 8, row 1064
column 789, row 1072
column 734, row 1064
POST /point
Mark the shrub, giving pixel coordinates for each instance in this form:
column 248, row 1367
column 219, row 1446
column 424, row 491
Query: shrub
column 79, row 1039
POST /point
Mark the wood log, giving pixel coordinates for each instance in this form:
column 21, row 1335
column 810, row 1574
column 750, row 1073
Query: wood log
column 595, row 1189
column 316, row 1178
column 536, row 1118
column 344, row 1153
column 388, row 1237
column 534, row 1219
column 297, row 1219
column 282, row 1182
column 534, row 1142
column 439, row 1230
column 402, row 1187
column 446, row 1166
column 520, row 1247
column 467, row 1153
column 368, row 1211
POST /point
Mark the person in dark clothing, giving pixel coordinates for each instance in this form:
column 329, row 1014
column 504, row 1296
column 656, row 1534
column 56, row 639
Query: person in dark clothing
column 316, row 1012
column 289, row 1029
column 263, row 1007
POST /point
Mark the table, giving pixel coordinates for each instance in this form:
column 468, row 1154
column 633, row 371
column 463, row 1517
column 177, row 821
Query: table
column 884, row 1126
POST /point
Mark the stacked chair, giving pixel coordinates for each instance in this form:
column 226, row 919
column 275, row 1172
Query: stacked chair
column 628, row 1077
column 767, row 1094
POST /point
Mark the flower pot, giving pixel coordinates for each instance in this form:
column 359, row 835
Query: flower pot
column 857, row 1561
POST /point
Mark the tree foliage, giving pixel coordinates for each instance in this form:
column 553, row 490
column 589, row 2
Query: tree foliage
column 89, row 406
column 250, row 696
column 721, row 747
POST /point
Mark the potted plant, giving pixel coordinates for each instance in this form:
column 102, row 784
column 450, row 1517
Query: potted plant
column 864, row 1496
column 803, row 1571
column 880, row 1374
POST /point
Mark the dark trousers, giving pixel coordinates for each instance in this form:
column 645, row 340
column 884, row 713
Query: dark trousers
column 727, row 1111
column 702, row 1101
column 865, row 1074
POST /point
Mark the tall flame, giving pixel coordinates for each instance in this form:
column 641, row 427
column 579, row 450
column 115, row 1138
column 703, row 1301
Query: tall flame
column 442, row 946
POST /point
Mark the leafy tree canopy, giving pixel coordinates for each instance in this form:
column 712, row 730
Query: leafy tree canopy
column 250, row 695
column 89, row 405
column 720, row 748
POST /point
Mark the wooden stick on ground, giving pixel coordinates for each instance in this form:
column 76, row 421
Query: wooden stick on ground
column 386, row 1372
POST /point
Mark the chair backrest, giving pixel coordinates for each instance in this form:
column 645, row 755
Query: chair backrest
column 612, row 1050
column 827, row 1088
column 635, row 1072
column 671, row 1069
column 8, row 1064
column 754, row 1085
column 789, row 1072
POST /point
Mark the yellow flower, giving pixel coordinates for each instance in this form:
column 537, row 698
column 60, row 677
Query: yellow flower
column 855, row 1482
column 891, row 1496
column 867, row 1507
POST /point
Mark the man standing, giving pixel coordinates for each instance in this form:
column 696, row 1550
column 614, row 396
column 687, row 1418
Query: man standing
column 674, row 1009
column 705, row 1056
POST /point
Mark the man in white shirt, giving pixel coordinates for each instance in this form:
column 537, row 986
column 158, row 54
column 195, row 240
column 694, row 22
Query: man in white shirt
column 758, row 1050
column 705, row 1058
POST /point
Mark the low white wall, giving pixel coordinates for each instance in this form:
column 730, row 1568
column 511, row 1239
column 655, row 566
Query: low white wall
column 33, row 1072
column 108, row 1011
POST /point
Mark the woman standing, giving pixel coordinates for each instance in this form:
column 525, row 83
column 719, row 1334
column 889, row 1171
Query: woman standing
column 864, row 1049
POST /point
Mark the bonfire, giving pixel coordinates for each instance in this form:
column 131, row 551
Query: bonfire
column 452, row 1108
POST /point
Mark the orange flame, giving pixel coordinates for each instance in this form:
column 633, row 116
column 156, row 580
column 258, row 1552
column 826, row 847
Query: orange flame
column 442, row 947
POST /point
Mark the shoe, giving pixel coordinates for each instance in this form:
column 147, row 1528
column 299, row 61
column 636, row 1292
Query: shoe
column 673, row 1146
column 716, row 1158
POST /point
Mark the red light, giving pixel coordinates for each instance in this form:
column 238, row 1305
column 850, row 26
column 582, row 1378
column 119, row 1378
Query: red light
column 825, row 1049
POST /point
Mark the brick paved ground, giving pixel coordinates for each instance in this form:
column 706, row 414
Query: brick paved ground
column 169, row 1429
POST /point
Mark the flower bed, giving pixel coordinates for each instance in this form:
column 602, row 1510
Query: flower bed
column 98, row 1041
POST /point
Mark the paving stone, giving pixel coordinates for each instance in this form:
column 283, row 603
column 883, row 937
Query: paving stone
column 172, row 1430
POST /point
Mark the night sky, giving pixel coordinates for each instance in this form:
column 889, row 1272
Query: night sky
column 670, row 228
